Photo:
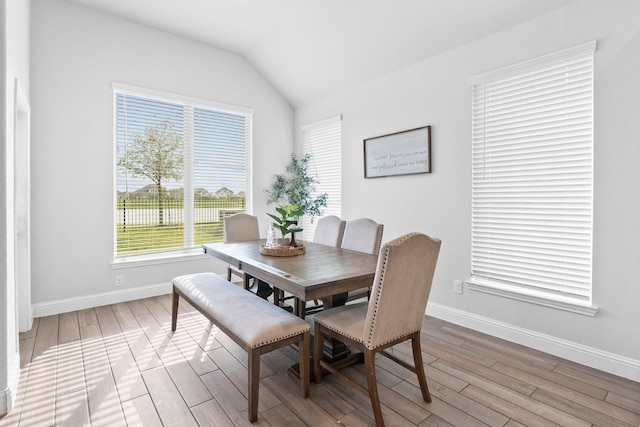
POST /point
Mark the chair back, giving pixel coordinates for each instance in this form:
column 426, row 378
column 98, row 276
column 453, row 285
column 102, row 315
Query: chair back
column 329, row 231
column 240, row 227
column 400, row 288
column 362, row 235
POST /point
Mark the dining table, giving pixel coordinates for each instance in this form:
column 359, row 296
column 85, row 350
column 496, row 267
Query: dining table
column 322, row 272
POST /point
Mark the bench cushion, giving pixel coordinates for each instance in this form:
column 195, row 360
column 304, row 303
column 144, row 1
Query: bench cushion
column 251, row 319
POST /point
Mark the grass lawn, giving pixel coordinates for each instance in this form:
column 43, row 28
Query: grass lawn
column 136, row 240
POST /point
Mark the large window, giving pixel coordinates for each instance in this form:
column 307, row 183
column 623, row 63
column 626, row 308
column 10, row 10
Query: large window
column 532, row 137
column 323, row 141
column 181, row 166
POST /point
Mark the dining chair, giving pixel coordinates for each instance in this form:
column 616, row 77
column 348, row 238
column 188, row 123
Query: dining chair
column 329, row 231
column 394, row 314
column 362, row 235
column 240, row 227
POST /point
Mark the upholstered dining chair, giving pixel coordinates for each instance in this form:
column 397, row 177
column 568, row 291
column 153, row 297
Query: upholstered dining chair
column 393, row 314
column 362, row 235
column 329, row 231
column 240, row 227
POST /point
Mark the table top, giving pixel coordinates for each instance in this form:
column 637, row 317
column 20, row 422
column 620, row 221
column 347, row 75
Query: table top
column 322, row 271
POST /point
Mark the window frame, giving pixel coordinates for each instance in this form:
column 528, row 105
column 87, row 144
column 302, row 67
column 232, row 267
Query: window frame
column 173, row 255
column 510, row 289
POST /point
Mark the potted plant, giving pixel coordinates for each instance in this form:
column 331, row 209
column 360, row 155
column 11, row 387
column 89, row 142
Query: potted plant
column 297, row 188
column 287, row 222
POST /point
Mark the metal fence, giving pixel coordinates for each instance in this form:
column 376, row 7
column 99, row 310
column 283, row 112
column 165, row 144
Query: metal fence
column 149, row 212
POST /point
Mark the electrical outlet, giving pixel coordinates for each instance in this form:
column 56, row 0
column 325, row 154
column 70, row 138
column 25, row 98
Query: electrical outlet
column 457, row 286
column 119, row 280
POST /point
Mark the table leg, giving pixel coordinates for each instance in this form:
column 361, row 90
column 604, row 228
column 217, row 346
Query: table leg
column 334, row 349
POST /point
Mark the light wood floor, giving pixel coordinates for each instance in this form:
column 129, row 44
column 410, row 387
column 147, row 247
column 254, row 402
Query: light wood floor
column 120, row 365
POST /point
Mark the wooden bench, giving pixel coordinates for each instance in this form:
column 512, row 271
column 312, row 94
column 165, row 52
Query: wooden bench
column 253, row 323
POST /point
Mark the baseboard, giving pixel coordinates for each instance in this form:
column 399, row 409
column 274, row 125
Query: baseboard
column 96, row 300
column 8, row 395
column 589, row 356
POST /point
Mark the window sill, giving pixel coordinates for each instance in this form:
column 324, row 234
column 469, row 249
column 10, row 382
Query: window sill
column 158, row 258
column 560, row 303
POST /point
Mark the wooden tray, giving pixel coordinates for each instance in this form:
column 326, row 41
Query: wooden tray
column 282, row 250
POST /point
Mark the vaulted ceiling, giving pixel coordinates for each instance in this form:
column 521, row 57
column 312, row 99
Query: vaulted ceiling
column 310, row 48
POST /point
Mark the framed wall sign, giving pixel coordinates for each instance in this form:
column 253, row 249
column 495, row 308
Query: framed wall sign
column 401, row 153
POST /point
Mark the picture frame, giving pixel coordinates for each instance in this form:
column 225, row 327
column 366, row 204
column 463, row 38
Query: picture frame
column 402, row 153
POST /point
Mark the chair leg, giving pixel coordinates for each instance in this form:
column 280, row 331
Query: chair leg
column 254, row 383
column 304, row 363
column 318, row 349
column 174, row 310
column 417, row 360
column 278, row 296
column 372, row 385
column 228, row 274
column 299, row 308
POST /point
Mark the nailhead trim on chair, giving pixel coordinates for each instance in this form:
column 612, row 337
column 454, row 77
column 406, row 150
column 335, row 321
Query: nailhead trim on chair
column 340, row 331
column 380, row 240
column 380, row 279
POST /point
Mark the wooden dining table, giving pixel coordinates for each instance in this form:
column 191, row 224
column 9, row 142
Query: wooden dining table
column 322, row 273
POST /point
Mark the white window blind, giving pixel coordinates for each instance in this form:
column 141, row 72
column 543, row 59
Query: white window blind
column 323, row 141
column 181, row 166
column 532, row 160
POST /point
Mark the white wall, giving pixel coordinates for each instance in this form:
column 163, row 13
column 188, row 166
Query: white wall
column 436, row 92
column 77, row 54
column 14, row 64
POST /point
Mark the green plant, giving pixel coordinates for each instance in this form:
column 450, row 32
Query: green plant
column 298, row 188
column 288, row 216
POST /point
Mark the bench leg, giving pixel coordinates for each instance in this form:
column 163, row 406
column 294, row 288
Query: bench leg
column 254, row 383
column 174, row 309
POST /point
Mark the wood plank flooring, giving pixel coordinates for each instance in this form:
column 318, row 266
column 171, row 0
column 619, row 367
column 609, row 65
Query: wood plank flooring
column 120, row 365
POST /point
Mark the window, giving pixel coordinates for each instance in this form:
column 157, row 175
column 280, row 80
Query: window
column 323, row 141
column 182, row 165
column 532, row 160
